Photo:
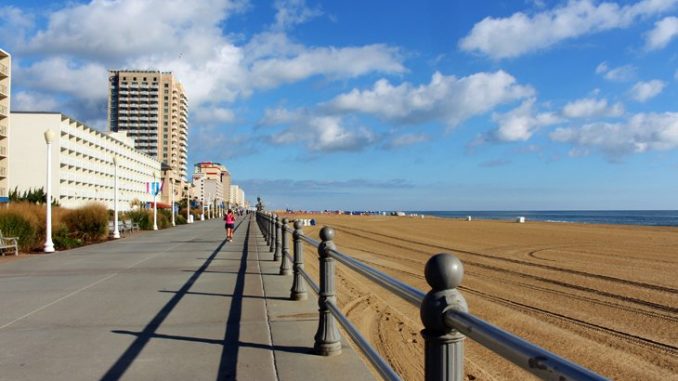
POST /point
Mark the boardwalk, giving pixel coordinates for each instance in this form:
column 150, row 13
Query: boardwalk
column 177, row 304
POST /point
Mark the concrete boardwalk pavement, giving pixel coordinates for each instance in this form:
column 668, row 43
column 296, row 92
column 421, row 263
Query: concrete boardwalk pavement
column 176, row 304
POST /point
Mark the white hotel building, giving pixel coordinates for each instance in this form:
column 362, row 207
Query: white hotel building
column 82, row 161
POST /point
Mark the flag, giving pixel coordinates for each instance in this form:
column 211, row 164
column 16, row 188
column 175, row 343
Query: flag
column 153, row 188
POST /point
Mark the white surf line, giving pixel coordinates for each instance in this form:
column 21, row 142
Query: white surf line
column 58, row 300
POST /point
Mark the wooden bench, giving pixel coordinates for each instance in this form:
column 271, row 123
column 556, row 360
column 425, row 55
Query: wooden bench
column 8, row 243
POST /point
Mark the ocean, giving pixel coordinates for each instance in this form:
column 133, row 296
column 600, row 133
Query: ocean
column 626, row 217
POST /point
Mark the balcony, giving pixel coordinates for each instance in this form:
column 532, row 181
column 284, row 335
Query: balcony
column 3, row 111
column 3, row 172
column 4, row 70
column 3, row 151
column 3, row 131
column 4, row 90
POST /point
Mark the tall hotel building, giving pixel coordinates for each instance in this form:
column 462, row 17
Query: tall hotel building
column 152, row 108
column 5, row 87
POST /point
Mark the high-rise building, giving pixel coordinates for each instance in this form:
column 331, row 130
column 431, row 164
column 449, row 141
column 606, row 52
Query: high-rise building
column 152, row 108
column 5, row 88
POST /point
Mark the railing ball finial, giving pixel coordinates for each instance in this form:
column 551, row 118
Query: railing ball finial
column 327, row 233
column 443, row 272
column 297, row 224
column 443, row 346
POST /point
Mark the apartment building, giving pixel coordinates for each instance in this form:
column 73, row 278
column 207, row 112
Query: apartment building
column 5, row 88
column 152, row 108
column 218, row 172
column 82, row 162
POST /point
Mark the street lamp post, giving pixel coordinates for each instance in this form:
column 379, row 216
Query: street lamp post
column 49, row 245
column 172, row 201
column 116, row 233
column 202, row 207
column 155, row 203
column 188, row 206
column 209, row 206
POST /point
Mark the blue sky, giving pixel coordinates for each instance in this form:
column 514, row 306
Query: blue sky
column 415, row 105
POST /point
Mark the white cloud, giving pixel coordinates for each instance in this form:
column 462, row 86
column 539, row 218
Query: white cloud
column 293, row 12
column 407, row 139
column 326, row 133
column 214, row 115
column 115, row 29
column 185, row 38
column 664, row 31
column 520, row 33
column 446, row 98
column 641, row 133
column 521, row 123
column 87, row 81
column 618, row 74
column 29, row 101
column 332, row 62
column 591, row 107
column 642, row 91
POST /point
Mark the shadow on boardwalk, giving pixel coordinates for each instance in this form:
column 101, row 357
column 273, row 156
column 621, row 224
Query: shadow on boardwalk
column 230, row 343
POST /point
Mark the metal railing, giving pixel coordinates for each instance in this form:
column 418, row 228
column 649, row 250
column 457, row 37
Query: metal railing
column 443, row 310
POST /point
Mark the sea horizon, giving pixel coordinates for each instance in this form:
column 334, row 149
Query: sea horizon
column 615, row 217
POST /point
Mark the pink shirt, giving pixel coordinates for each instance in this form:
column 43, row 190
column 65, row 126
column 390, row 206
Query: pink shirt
column 230, row 218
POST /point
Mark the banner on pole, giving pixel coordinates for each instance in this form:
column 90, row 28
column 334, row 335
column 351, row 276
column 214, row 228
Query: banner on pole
column 153, row 187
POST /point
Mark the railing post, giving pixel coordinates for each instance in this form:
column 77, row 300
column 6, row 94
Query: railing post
column 327, row 339
column 298, row 291
column 443, row 346
column 272, row 245
column 278, row 238
column 269, row 228
column 285, row 263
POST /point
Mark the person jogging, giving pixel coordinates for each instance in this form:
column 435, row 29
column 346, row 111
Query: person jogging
column 230, row 223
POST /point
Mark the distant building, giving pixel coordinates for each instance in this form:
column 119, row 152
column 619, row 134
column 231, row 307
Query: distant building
column 237, row 196
column 152, row 108
column 219, row 173
column 5, row 89
column 82, row 161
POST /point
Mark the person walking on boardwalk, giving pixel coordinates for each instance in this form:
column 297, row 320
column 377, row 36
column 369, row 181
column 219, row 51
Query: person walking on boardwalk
column 230, row 222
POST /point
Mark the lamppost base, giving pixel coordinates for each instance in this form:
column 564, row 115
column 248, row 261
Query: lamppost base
column 49, row 248
column 116, row 235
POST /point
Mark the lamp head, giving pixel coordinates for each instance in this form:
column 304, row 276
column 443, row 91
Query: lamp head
column 49, row 136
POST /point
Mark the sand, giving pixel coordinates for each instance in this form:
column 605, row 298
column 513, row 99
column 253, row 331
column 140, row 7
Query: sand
column 603, row 296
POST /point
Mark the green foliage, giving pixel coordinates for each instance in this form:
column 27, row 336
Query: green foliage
column 34, row 196
column 62, row 240
column 16, row 224
column 89, row 223
column 141, row 217
column 180, row 219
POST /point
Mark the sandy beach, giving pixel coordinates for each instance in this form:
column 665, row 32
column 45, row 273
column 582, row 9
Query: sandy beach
column 604, row 296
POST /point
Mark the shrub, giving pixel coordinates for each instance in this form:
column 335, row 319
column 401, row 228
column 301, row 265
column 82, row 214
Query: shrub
column 13, row 223
column 180, row 219
column 62, row 239
column 141, row 217
column 89, row 223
